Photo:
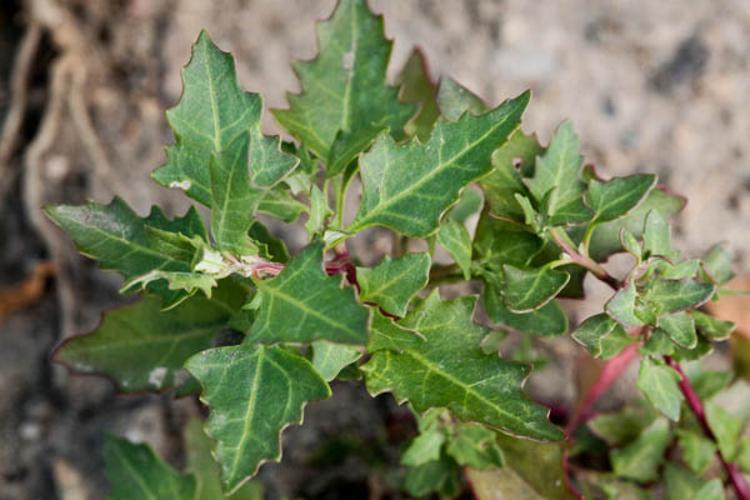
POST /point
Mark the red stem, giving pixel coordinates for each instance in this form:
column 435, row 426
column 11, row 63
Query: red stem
column 741, row 488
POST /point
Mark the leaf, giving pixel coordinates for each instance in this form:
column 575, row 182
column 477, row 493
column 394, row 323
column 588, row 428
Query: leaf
column 424, row 448
column 557, row 177
column 470, row 203
column 303, row 304
column 416, row 87
column 115, row 236
column 448, row 369
column 253, row 393
column 681, row 484
column 329, row 359
column 658, row 382
column 142, row 348
column 640, row 459
column 436, row 476
column 548, row 320
column 408, row 187
column 319, row 212
column 454, row 100
column 272, row 248
column 712, row 328
column 656, row 236
column 473, row 445
column 615, row 198
column 602, row 336
column 681, row 328
column 726, row 427
column 621, row 306
column 135, row 472
column 668, row 296
column 455, row 238
column 527, row 290
column 624, row 426
column 495, row 244
column 605, row 239
column 718, row 264
column 345, row 101
column 279, row 202
column 393, row 283
column 698, row 452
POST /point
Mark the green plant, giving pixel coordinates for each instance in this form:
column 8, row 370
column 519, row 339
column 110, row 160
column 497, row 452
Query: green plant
column 428, row 159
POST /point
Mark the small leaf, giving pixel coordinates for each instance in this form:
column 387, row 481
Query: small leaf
column 473, row 445
column 718, row 264
column 253, row 393
column 656, row 236
column 454, row 100
column 424, row 448
column 668, row 296
column 416, row 87
column 345, row 101
column 681, row 328
column 496, row 245
column 624, row 426
column 631, row 244
column 272, row 248
column 698, row 452
column 302, row 304
column 436, row 476
column 621, row 306
column 136, row 472
column 319, row 212
column 329, row 359
column 712, row 328
column 726, row 427
column 658, row 383
column 278, row 202
column 411, row 200
column 682, row 484
column 448, row 369
column 393, row 283
column 615, row 198
column 528, row 290
column 640, row 459
column 455, row 238
column 602, row 336
column 548, row 320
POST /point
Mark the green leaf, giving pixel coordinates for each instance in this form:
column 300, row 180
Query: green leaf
column 681, row 328
column 548, row 320
column 455, row 238
column 329, row 359
column 621, row 306
column 319, row 212
column 602, row 336
column 624, row 426
column 303, row 304
column 640, row 459
column 495, row 244
column 631, row 244
column 280, row 203
column 176, row 280
column 253, row 393
column 527, row 290
column 115, row 236
column 658, row 382
column 668, row 296
column 681, row 484
column 718, row 264
column 407, row 187
column 469, row 203
column 698, row 452
column 473, row 445
column 605, row 239
column 436, row 476
column 424, row 448
column 272, row 248
column 345, row 101
column 393, row 283
column 448, row 369
column 712, row 328
column 416, row 87
column 726, row 427
column 657, row 239
column 454, row 100
column 743, row 455
column 135, row 473
column 142, row 348
column 557, row 178
column 615, row 198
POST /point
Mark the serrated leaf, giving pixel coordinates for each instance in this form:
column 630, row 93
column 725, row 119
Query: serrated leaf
column 473, row 445
column 408, row 187
column 135, row 472
column 526, row 290
column 329, row 359
column 712, row 328
column 680, row 327
column 658, row 382
column 698, row 452
column 726, row 427
column 393, row 283
column 142, row 348
column 115, row 236
column 455, row 238
column 718, row 264
column 616, row 197
column 640, row 459
column 176, row 280
column 602, row 336
column 657, row 239
column 668, row 296
column 548, row 320
column 303, row 304
column 416, row 87
column 605, row 239
column 319, row 212
column 557, row 177
column 253, row 393
column 621, row 306
column 345, row 101
column 454, row 100
column 448, row 369
column 272, row 248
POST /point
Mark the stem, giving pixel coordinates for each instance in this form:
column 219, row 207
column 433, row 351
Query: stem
column 737, row 480
column 584, row 260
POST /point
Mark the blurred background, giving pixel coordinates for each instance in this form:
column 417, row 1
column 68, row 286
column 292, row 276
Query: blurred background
column 649, row 86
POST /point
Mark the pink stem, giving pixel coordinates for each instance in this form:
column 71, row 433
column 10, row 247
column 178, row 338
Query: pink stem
column 741, row 488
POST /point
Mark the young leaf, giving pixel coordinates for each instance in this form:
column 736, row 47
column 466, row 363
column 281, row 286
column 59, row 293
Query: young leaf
column 657, row 239
column 712, row 328
column 136, row 472
column 668, row 296
column 253, row 393
column 681, row 484
column 621, row 306
column 527, row 290
column 319, row 212
column 345, row 101
column 640, row 459
column 411, row 200
column 726, row 427
column 302, row 304
column 455, row 238
column 698, row 452
column 473, row 445
column 437, row 476
column 454, row 100
column 557, row 178
column 416, row 87
column 658, row 382
column 329, row 359
column 393, row 283
column 681, row 328
column 142, row 348
column 278, row 202
column 115, row 236
column 624, row 426
column 615, row 198
column 424, row 448
column 548, row 320
column 602, row 336
column 448, row 369
column 718, row 264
